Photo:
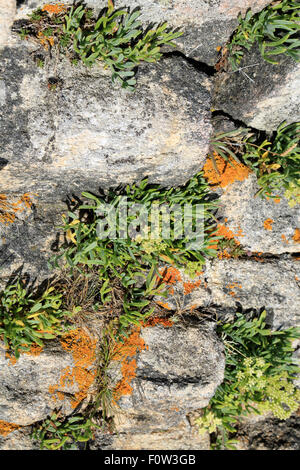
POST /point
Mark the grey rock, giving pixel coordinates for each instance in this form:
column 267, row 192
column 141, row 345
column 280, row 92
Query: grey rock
column 24, row 386
column 7, row 15
column 257, row 283
column 181, row 437
column 245, row 214
column 178, row 372
column 88, row 133
column 269, row 433
column 266, row 99
column 18, row 440
column 27, row 243
column 206, row 24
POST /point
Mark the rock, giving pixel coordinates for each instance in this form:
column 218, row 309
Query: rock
column 228, row 284
column 178, row 371
column 269, row 433
column 30, row 238
column 86, row 133
column 266, row 99
column 273, row 285
column 259, row 224
column 206, row 24
column 32, row 387
column 7, row 14
column 181, row 437
column 18, row 440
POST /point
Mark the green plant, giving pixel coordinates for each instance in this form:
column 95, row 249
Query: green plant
column 117, row 38
column 258, row 377
column 25, row 320
column 276, row 162
column 275, row 29
column 56, row 433
column 132, row 262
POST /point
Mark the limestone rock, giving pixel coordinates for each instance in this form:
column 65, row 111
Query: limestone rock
column 259, row 224
column 266, row 99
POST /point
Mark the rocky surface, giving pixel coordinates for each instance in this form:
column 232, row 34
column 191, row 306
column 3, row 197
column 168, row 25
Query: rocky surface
column 7, row 15
column 203, row 22
column 266, row 99
column 183, row 437
column 259, row 224
column 18, row 440
column 229, row 284
column 83, row 132
column 177, row 371
column 36, row 384
column 269, row 433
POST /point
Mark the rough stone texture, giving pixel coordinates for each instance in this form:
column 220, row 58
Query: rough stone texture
column 181, row 437
column 178, row 372
column 206, row 24
column 18, row 440
column 250, row 283
column 27, row 243
column 245, row 214
column 269, row 98
column 7, row 14
column 269, row 433
column 88, row 133
column 24, row 386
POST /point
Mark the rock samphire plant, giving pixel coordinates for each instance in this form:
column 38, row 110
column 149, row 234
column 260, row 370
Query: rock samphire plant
column 259, row 374
column 116, row 37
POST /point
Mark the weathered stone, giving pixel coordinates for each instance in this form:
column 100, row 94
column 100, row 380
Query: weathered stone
column 259, row 224
column 30, row 239
column 34, row 386
column 266, row 99
column 18, row 440
column 178, row 371
column 7, row 14
column 206, row 24
column 181, row 437
column 254, row 283
column 269, row 433
column 87, row 133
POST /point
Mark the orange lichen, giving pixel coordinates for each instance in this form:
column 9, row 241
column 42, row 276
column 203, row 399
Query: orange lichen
column 82, row 375
column 45, row 41
column 189, row 286
column 8, row 210
column 232, row 288
column 225, row 232
column 12, row 359
column 158, row 321
column 268, row 224
column 164, row 305
column 7, row 428
column 227, row 171
column 54, row 9
column 170, row 275
column 35, row 350
column 284, row 239
column 125, row 353
column 296, row 236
